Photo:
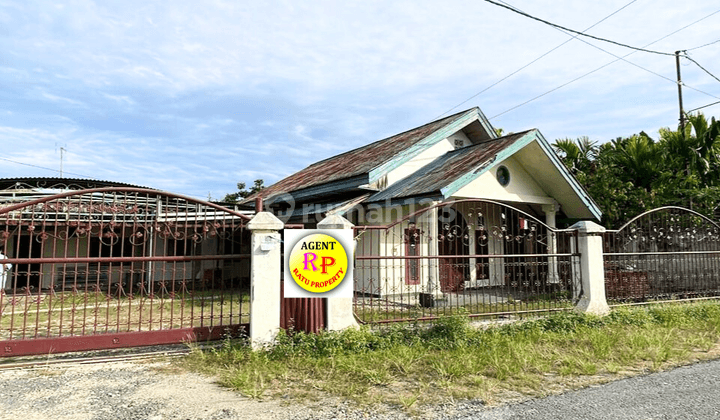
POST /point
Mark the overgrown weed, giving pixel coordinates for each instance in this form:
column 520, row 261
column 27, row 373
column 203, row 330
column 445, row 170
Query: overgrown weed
column 411, row 365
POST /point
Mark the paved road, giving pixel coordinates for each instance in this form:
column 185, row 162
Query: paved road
column 690, row 392
column 129, row 391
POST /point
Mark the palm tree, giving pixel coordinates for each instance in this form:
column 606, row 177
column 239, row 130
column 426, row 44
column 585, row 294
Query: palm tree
column 640, row 156
column 578, row 155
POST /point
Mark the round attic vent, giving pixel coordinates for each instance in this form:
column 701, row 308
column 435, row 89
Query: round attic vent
column 503, row 176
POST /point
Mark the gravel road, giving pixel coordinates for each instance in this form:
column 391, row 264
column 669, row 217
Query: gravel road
column 143, row 390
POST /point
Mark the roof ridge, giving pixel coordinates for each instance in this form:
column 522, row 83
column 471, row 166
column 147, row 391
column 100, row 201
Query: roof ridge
column 482, row 143
column 394, row 135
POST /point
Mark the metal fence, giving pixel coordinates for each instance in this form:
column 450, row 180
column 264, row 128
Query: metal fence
column 120, row 267
column 668, row 253
column 478, row 257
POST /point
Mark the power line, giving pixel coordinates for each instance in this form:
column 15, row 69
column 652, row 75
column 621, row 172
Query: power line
column 703, row 68
column 704, row 106
column 614, row 61
column 703, row 46
column 534, row 61
column 42, row 167
column 648, row 70
column 577, row 32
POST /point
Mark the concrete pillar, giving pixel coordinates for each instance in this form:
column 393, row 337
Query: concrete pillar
column 265, row 266
column 592, row 270
column 339, row 310
column 550, row 211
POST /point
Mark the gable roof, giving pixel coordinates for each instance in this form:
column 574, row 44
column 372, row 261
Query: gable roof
column 446, row 169
column 450, row 172
column 357, row 167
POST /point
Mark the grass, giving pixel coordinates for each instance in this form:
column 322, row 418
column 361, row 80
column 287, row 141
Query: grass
column 72, row 313
column 386, row 309
column 411, row 366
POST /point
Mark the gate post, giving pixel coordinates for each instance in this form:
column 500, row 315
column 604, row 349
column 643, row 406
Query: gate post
column 592, row 270
column 339, row 310
column 265, row 265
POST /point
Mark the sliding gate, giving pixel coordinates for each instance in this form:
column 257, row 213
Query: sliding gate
column 120, row 267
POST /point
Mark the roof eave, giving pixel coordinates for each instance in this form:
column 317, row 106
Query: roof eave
column 459, row 123
column 532, row 135
column 503, row 154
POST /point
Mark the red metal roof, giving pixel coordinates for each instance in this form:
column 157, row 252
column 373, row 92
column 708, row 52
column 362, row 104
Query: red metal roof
column 447, row 168
column 355, row 162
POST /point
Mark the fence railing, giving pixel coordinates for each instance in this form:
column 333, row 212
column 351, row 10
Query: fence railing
column 478, row 257
column 667, row 253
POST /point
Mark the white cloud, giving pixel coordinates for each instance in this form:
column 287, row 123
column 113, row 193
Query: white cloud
column 199, row 95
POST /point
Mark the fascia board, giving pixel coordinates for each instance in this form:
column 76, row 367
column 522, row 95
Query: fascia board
column 569, row 178
column 404, row 156
column 335, row 187
column 464, row 180
column 486, row 125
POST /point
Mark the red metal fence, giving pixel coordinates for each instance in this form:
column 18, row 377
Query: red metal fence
column 120, row 267
column 478, row 257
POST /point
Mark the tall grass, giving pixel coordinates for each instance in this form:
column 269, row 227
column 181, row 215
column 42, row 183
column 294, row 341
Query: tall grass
column 411, row 365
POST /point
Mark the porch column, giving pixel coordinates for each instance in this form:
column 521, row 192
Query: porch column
column 472, row 247
column 432, row 281
column 265, row 265
column 550, row 211
column 591, row 268
column 339, row 310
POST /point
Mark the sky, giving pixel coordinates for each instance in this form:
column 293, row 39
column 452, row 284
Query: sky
column 193, row 97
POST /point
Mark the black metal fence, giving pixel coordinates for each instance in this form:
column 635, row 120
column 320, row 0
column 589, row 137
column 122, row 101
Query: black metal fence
column 668, row 253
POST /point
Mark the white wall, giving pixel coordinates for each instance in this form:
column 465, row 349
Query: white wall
column 424, row 158
column 521, row 189
column 388, row 276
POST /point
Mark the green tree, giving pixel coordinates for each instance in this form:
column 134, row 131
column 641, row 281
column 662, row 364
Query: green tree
column 628, row 176
column 578, row 155
column 243, row 192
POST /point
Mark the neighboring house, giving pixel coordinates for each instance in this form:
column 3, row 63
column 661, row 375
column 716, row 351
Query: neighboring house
column 129, row 222
column 454, row 158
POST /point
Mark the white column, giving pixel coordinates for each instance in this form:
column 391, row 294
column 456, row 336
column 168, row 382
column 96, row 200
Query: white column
column 432, row 282
column 339, row 310
column 471, row 244
column 265, row 265
column 592, row 270
column 550, row 211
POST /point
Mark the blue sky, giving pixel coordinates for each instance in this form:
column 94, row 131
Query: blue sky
column 192, row 97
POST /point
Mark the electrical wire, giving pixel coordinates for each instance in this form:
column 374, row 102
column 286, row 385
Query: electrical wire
column 614, row 61
column 587, row 74
column 703, row 46
column 703, row 68
column 704, row 106
column 533, row 61
column 577, row 32
column 42, row 167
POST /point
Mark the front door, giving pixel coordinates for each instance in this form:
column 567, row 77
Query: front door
column 453, row 241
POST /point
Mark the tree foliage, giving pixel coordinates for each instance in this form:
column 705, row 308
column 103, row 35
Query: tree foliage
column 628, row 176
column 243, row 192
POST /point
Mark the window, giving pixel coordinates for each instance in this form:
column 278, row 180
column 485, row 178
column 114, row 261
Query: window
column 110, row 247
column 179, row 247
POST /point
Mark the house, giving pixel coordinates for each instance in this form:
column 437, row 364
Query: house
column 141, row 238
column 459, row 160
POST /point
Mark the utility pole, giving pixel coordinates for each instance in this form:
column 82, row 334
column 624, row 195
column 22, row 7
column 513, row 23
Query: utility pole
column 679, row 83
column 62, row 150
